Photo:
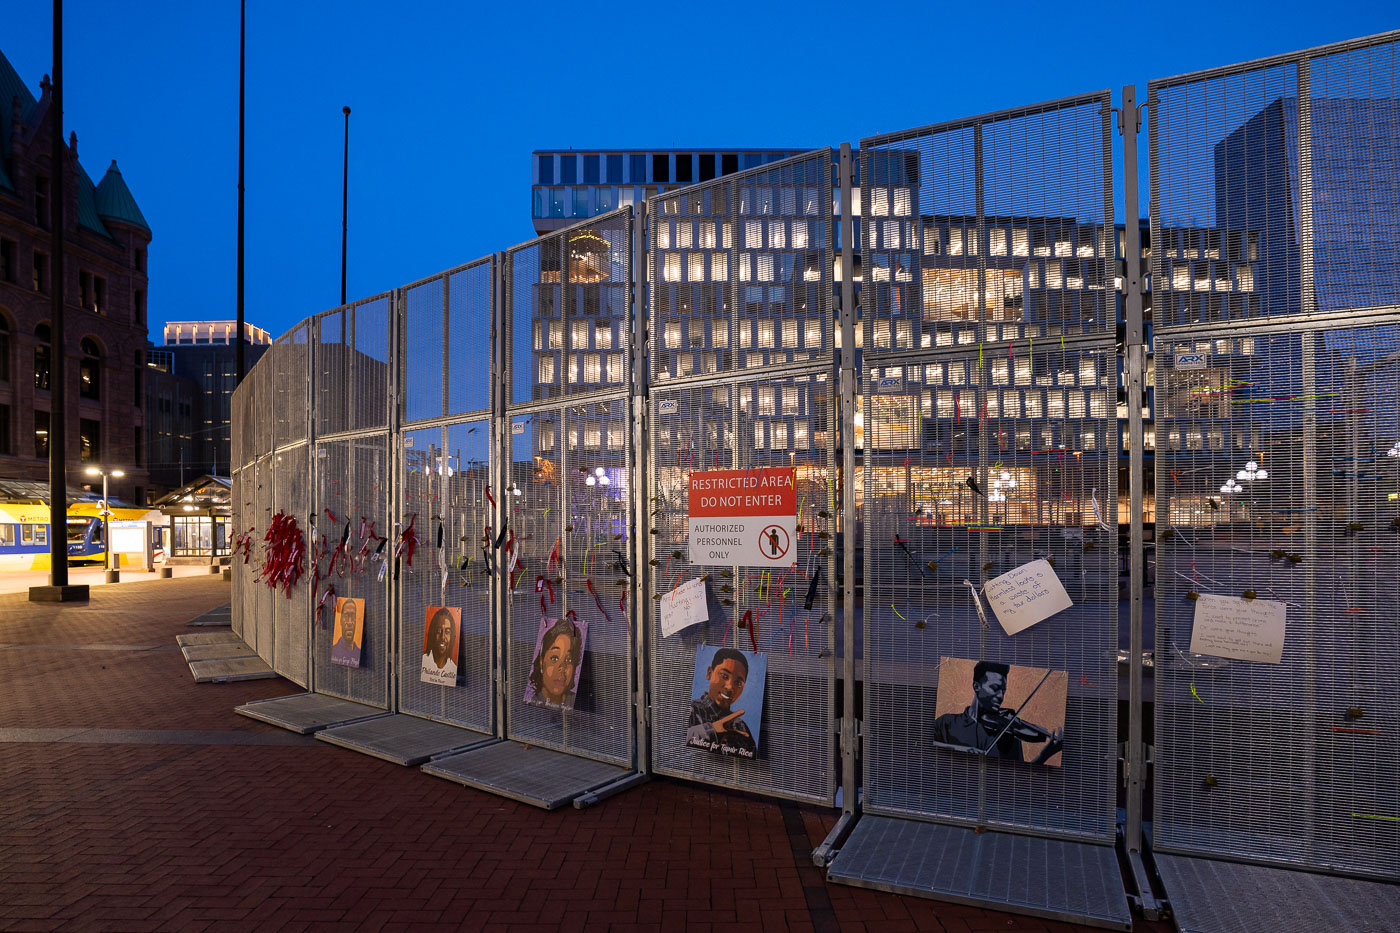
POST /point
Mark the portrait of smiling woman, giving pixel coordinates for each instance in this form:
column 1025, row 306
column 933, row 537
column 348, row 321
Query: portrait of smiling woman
column 554, row 673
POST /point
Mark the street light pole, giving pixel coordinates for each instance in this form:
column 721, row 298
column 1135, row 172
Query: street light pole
column 345, row 205
column 112, row 570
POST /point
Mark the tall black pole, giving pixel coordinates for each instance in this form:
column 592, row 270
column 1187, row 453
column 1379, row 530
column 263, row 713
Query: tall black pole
column 240, row 365
column 58, row 419
column 345, row 205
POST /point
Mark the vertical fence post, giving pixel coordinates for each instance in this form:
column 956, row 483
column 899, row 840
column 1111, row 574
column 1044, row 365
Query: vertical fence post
column 640, row 485
column 499, row 467
column 1135, row 367
column 394, row 480
column 849, row 734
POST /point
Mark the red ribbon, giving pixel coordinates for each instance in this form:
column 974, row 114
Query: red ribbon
column 598, row 602
column 540, row 585
column 284, row 554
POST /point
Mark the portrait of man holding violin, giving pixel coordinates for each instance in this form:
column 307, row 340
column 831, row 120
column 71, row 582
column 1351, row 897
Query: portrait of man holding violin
column 1032, row 730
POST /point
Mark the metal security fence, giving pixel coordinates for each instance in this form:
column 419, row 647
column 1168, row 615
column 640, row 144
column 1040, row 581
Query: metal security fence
column 291, row 613
column 741, row 346
column 990, row 440
column 353, row 485
column 568, row 480
column 446, row 474
column 1278, row 361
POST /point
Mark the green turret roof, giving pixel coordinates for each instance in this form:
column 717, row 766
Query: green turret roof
column 87, row 205
column 114, row 200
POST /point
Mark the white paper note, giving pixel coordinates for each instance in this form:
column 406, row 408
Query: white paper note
column 1247, row 629
column 1029, row 594
column 683, row 607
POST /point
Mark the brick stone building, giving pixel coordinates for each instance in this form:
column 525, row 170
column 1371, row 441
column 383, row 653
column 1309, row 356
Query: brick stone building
column 105, row 242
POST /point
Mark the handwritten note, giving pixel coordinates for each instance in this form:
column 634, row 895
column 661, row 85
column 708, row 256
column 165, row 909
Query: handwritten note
column 1029, row 594
column 683, row 607
column 1247, row 629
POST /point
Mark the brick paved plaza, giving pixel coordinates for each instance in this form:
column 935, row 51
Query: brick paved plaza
column 132, row 798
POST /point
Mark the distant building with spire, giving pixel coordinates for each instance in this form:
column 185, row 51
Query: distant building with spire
column 105, row 244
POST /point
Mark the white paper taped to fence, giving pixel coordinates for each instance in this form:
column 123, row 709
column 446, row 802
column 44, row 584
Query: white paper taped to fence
column 683, row 607
column 1029, row 594
column 1245, row 629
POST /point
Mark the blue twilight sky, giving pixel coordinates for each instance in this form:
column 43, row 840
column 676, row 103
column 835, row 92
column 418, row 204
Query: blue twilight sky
column 450, row 98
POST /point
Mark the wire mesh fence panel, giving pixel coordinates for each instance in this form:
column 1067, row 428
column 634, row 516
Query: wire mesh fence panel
column 994, row 228
column 352, row 481
column 352, row 366
column 446, row 472
column 1279, row 473
column 239, row 571
column 1274, row 186
column 424, row 343
column 974, row 467
column 470, row 336
column 290, row 358
column 568, row 493
column 741, row 274
column 567, row 311
column 786, row 615
column 258, row 620
column 292, row 610
column 1275, row 195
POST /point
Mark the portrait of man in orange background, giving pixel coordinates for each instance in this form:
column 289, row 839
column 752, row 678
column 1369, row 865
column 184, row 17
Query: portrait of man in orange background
column 349, row 631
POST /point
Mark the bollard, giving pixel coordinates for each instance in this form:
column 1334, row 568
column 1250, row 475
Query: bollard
column 167, row 572
column 114, row 576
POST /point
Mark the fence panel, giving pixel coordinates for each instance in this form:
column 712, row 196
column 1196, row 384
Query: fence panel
column 568, row 480
column 352, row 477
column 445, row 473
column 258, row 623
column 773, row 421
column 1278, row 357
column 292, row 614
column 992, row 229
column 290, row 358
column 987, row 421
column 741, row 306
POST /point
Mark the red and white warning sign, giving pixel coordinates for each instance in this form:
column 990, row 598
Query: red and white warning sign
column 744, row 518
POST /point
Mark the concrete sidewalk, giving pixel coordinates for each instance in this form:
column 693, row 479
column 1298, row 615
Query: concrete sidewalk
column 132, row 798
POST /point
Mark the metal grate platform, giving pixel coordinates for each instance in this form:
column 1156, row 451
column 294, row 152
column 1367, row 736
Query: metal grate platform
column 537, row 776
column 223, row 615
column 208, row 638
column 1050, row 878
column 308, row 712
column 1209, row 896
column 221, row 670
column 218, row 651
column 404, row 740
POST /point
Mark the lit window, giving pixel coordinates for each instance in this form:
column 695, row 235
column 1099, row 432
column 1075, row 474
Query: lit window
column 1020, row 243
column 685, row 234
column 779, row 431
column 880, row 202
column 799, row 435
column 765, row 335
column 745, row 268
column 789, row 400
column 892, row 238
column 663, row 235
column 727, row 236
column 671, row 267
column 789, row 334
column 1055, row 405
column 765, row 267
column 745, row 335
column 697, row 267
column 813, row 337
column 592, row 367
column 998, row 241
column 766, row 401
column 673, row 334
column 556, row 335
column 799, row 234
column 902, row 204
column 707, row 234
column 719, row 267
column 777, row 235
column 758, row 435
column 1062, row 248
column 753, row 234
column 719, row 334
column 592, row 435
column 615, row 367
column 580, row 330
column 955, row 241
column 546, row 370
column 616, row 436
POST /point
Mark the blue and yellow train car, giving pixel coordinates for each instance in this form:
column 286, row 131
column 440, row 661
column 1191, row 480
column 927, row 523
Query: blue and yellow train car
column 24, row 534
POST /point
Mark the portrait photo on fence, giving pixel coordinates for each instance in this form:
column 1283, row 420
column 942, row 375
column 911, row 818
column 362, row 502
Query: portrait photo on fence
column 441, row 634
column 349, row 631
column 1001, row 710
column 557, row 664
column 726, row 708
